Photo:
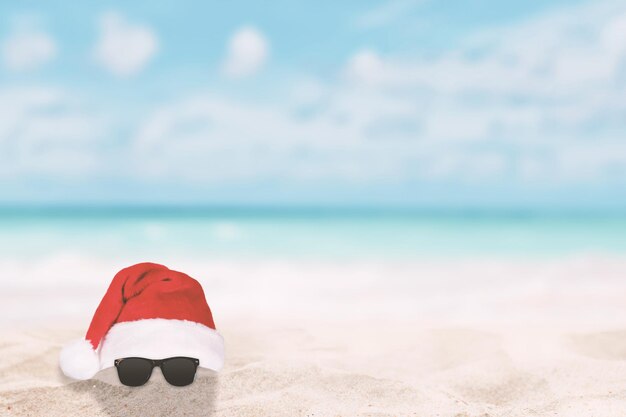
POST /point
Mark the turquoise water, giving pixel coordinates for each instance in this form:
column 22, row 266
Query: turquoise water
column 312, row 233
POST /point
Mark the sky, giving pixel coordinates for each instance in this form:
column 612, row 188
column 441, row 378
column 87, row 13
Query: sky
column 402, row 103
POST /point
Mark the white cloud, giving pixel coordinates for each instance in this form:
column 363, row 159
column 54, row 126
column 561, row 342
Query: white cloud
column 503, row 107
column 557, row 54
column 27, row 50
column 367, row 66
column 248, row 51
column 46, row 131
column 211, row 139
column 546, row 93
column 124, row 48
column 541, row 102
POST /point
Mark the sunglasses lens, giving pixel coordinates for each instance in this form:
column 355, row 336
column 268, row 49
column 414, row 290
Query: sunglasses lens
column 134, row 371
column 179, row 371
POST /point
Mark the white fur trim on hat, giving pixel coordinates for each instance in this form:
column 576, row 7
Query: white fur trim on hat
column 163, row 338
column 79, row 360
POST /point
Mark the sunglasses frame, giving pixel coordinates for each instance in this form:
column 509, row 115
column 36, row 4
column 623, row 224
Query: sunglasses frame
column 155, row 363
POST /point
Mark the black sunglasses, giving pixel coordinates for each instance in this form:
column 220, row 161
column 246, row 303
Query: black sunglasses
column 178, row 371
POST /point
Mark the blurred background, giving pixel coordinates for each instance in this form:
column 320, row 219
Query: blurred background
column 435, row 161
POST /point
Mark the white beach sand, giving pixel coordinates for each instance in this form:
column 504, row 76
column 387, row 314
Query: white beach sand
column 475, row 338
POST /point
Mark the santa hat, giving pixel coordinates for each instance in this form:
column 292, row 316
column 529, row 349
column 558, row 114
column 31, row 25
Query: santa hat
column 149, row 311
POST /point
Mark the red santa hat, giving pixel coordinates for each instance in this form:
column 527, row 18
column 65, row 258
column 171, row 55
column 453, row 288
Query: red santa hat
column 148, row 311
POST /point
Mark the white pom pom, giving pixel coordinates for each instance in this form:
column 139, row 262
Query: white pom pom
column 79, row 360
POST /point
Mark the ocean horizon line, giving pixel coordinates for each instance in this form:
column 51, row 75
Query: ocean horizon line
column 298, row 211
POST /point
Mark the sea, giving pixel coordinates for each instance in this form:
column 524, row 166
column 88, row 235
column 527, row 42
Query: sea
column 306, row 233
column 268, row 263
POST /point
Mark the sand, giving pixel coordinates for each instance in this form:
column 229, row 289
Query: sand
column 544, row 348
column 344, row 371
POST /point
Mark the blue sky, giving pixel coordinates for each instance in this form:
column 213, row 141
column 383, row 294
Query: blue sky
column 416, row 103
